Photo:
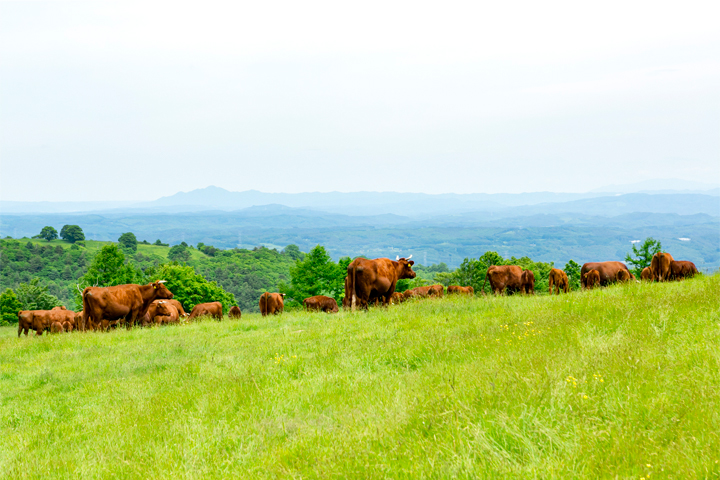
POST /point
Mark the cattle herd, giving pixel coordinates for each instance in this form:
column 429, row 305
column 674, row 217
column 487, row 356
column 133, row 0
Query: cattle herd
column 367, row 282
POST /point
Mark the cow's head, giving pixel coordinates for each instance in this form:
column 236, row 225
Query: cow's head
column 623, row 276
column 406, row 270
column 161, row 290
column 162, row 309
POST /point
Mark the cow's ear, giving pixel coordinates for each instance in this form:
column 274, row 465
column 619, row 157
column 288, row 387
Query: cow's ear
column 411, row 262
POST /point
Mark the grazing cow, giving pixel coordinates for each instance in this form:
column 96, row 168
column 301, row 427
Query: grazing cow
column 126, row 303
column 167, row 313
column 528, row 282
column 607, row 270
column 271, row 303
column 646, row 275
column 624, row 276
column 41, row 320
column 56, row 327
column 210, row 309
column 460, row 290
column 420, row 292
column 680, row 269
column 68, row 326
column 557, row 280
column 235, row 312
column 321, row 303
column 660, row 266
column 396, row 298
column 436, row 291
column 371, row 279
column 590, row 279
column 504, row 277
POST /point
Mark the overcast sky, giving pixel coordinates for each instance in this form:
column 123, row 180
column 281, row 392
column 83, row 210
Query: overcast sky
column 137, row 100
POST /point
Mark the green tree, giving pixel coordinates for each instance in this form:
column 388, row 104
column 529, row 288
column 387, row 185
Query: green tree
column 107, row 269
column 34, row 296
column 316, row 274
column 72, row 233
column 293, row 251
column 47, row 233
column 189, row 287
column 128, row 243
column 179, row 253
column 9, row 307
column 642, row 257
column 572, row 270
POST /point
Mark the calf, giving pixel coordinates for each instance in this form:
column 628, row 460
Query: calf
column 235, row 312
column 210, row 309
column 321, row 303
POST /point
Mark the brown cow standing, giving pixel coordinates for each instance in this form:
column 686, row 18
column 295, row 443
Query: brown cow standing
column 504, row 277
column 126, row 303
column 680, row 269
column 591, row 279
column 558, row 279
column 460, row 290
column 370, row 279
column 167, row 313
column 210, row 309
column 41, row 320
column 607, row 270
column 646, row 274
column 660, row 266
column 235, row 312
column 271, row 303
column 528, row 282
column 321, row 303
column 25, row 319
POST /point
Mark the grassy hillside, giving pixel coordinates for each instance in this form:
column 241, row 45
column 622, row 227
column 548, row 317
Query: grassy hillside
column 94, row 246
column 620, row 381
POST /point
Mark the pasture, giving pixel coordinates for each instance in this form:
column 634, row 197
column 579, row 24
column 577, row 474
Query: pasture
column 621, row 381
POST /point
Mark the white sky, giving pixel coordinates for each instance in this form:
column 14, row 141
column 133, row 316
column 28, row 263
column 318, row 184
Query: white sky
column 137, row 100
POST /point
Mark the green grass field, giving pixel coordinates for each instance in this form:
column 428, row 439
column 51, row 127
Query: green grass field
column 620, row 382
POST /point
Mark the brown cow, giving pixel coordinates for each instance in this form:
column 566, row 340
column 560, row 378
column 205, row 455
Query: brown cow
column 504, row 277
column 209, row 309
column 396, row 298
column 68, row 326
column 321, row 303
column 607, row 270
column 624, row 276
column 591, row 279
column 460, row 290
column 59, row 307
column 528, row 282
column 235, row 312
column 149, row 317
column 557, row 280
column 126, row 303
column 271, row 303
column 646, row 274
column 680, row 269
column 660, row 266
column 41, row 320
column 56, row 327
column 370, row 279
column 167, row 313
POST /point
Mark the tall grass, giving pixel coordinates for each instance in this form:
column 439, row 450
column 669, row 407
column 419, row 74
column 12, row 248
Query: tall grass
column 623, row 381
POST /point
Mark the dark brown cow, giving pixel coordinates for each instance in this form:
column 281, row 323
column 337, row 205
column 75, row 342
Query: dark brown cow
column 460, row 290
column 590, row 279
column 167, row 313
column 504, row 277
column 235, row 312
column 209, row 309
column 607, row 270
column 680, row 269
column 321, row 303
column 646, row 275
column 370, row 279
column 126, row 303
column 271, row 303
column 558, row 279
column 528, row 282
column 660, row 266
